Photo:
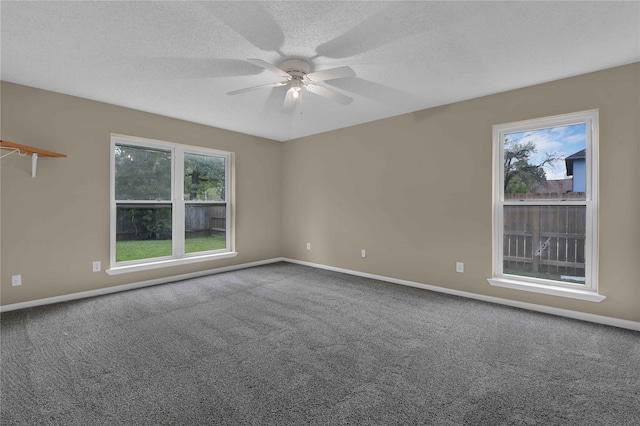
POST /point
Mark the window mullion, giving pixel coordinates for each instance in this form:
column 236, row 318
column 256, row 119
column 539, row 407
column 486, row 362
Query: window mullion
column 178, row 203
column 227, row 185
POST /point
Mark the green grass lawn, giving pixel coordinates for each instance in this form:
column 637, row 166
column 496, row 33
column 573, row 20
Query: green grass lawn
column 546, row 276
column 146, row 249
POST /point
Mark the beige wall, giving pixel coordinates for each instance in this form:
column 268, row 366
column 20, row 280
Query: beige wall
column 415, row 191
column 55, row 225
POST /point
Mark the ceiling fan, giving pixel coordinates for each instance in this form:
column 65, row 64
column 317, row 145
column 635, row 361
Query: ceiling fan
column 296, row 73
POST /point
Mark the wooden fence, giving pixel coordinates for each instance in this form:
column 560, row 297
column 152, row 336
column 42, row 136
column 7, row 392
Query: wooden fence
column 545, row 239
column 205, row 220
column 200, row 221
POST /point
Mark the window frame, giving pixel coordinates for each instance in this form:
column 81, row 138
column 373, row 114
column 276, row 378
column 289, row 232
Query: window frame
column 588, row 290
column 178, row 204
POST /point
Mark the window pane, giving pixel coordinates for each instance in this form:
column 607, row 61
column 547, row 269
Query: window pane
column 142, row 173
column 204, row 177
column 546, row 163
column 545, row 242
column 205, row 227
column 143, row 231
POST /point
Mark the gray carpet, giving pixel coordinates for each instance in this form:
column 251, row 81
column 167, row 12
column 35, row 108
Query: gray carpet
column 284, row 344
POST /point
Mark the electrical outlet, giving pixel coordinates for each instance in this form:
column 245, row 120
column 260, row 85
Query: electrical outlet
column 459, row 267
column 97, row 267
column 308, row 246
column 16, row 280
column 363, row 253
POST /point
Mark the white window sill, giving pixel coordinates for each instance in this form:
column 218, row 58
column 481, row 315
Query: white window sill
column 123, row 269
column 572, row 293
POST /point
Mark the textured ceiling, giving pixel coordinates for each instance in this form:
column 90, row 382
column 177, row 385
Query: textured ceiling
column 179, row 59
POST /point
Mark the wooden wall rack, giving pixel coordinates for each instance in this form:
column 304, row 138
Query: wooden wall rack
column 23, row 150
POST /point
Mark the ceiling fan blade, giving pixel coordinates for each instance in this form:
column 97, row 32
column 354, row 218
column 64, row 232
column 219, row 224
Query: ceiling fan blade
column 176, row 67
column 289, row 101
column 374, row 91
column 381, row 28
column 328, row 93
column 331, row 74
column 263, row 86
column 252, row 21
column 266, row 65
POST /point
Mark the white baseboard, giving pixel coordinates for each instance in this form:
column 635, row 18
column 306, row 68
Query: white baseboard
column 132, row 286
column 615, row 322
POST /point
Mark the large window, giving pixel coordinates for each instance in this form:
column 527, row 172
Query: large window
column 169, row 204
column 545, row 230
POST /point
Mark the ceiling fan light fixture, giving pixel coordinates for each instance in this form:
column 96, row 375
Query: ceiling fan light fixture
column 295, row 87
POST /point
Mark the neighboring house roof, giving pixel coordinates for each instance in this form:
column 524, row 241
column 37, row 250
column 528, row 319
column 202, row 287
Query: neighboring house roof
column 580, row 155
column 559, row 186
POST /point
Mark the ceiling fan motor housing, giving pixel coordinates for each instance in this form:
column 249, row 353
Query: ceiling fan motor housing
column 295, row 67
column 297, row 75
